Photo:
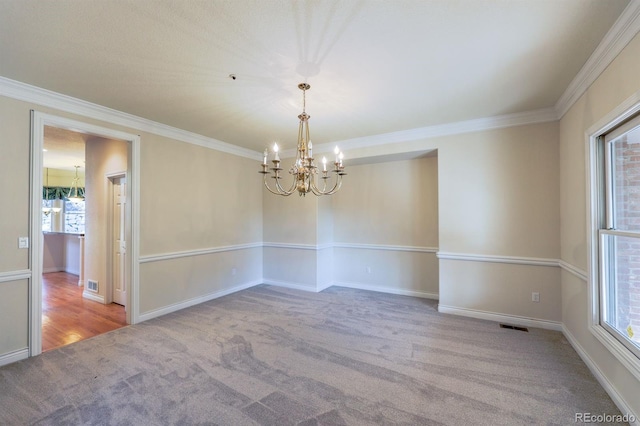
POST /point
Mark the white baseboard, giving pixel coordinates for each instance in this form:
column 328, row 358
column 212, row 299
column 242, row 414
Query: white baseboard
column 325, row 286
column 194, row 301
column 294, row 286
column 390, row 290
column 503, row 318
column 72, row 271
column 93, row 296
column 14, row 356
column 601, row 378
column 60, row 269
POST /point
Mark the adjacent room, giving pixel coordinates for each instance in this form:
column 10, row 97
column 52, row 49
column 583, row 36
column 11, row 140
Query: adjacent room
column 70, row 312
column 320, row 212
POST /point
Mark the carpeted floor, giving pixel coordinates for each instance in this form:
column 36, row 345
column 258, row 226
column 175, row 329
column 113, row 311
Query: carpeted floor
column 276, row 356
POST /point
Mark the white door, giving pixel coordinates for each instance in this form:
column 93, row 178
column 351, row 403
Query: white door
column 118, row 241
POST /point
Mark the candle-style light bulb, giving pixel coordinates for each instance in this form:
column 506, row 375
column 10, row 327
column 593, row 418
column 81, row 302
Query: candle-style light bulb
column 336, row 151
column 324, row 164
column 276, row 149
column 266, row 153
column 341, row 156
column 310, row 150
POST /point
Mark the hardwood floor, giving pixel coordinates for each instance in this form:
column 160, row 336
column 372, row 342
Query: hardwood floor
column 67, row 317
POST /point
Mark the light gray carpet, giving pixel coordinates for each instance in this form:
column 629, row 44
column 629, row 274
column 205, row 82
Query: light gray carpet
column 275, row 356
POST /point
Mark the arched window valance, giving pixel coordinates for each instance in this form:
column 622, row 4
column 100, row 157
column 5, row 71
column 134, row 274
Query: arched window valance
column 58, row 192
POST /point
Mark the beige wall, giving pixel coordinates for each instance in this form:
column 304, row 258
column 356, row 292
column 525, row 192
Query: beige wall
column 14, row 223
column 102, row 157
column 196, row 199
column 293, row 224
column 13, row 316
column 194, row 279
column 385, row 218
column 14, row 182
column 392, row 203
column 496, row 289
column 498, row 201
column 290, row 220
column 224, row 209
column 499, row 192
column 499, row 197
column 616, row 84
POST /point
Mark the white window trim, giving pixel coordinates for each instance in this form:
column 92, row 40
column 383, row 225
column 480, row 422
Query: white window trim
column 626, row 110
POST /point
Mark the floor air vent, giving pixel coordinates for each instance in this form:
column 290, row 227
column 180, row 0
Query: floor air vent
column 514, row 327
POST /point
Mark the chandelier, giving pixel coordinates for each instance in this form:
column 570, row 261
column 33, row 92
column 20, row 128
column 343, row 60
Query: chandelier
column 304, row 171
column 75, row 195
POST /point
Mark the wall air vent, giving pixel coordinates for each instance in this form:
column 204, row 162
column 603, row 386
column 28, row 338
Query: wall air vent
column 92, row 285
column 514, row 327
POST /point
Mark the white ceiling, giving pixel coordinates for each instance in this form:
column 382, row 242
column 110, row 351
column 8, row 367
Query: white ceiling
column 63, row 149
column 374, row 66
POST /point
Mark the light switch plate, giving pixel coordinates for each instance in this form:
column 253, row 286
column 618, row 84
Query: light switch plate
column 23, row 242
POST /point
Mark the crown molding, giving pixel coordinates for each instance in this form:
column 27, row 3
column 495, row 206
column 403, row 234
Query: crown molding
column 616, row 39
column 620, row 34
column 47, row 98
column 476, row 125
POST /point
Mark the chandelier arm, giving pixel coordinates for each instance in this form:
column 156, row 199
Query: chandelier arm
column 277, row 191
column 323, row 191
column 282, row 190
column 266, row 185
column 337, row 188
column 316, row 190
column 336, row 185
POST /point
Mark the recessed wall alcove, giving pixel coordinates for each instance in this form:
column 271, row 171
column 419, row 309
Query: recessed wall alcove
column 379, row 232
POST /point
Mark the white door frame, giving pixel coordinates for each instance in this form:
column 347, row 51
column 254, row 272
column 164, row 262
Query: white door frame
column 38, row 121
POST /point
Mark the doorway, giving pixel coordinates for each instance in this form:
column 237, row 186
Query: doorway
column 129, row 217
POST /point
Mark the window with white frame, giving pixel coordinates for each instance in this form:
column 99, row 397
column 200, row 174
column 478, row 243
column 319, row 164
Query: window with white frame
column 60, row 214
column 74, row 217
column 618, row 224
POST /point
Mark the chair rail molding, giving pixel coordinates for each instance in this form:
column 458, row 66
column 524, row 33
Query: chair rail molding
column 532, row 261
column 197, row 252
column 15, row 275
